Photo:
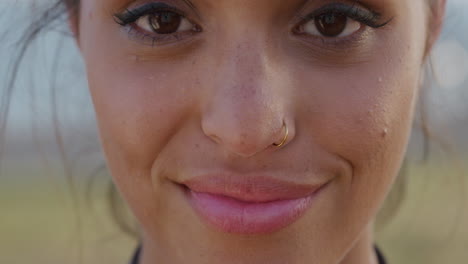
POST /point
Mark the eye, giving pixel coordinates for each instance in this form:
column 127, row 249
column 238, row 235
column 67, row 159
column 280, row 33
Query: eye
column 331, row 24
column 164, row 22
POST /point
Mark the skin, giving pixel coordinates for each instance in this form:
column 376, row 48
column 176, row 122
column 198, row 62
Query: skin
column 216, row 101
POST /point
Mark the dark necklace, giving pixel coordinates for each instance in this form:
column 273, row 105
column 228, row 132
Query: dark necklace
column 136, row 256
column 380, row 256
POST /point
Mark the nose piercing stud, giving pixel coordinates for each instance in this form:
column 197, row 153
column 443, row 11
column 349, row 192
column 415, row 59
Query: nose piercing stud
column 285, row 138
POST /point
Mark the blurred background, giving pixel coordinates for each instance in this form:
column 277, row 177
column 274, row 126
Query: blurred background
column 54, row 188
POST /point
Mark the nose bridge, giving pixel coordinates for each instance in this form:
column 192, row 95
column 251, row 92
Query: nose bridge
column 243, row 114
column 243, row 80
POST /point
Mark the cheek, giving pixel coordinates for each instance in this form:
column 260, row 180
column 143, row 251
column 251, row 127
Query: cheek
column 138, row 104
column 363, row 114
column 371, row 116
column 138, row 108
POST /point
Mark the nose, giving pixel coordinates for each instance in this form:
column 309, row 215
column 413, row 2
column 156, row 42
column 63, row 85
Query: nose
column 245, row 112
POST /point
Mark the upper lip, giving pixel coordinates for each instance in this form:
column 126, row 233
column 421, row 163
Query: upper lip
column 251, row 189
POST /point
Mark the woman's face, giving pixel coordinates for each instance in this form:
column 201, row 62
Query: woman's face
column 191, row 96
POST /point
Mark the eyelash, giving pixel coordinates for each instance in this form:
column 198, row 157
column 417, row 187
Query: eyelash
column 364, row 16
column 129, row 17
column 361, row 15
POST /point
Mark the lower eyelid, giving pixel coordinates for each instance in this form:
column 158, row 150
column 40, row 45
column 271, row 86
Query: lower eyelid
column 336, row 43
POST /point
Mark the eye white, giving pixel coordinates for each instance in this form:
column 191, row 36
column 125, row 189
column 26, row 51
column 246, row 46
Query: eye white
column 144, row 23
column 351, row 27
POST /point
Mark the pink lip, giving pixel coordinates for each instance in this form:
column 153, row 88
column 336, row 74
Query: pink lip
column 249, row 206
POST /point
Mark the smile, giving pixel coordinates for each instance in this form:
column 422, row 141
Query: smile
column 255, row 206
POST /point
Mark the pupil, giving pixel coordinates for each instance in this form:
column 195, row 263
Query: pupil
column 332, row 24
column 165, row 22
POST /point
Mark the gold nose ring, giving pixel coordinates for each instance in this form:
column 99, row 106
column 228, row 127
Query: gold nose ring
column 285, row 138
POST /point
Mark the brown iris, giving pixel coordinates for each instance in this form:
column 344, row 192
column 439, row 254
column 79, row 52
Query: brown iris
column 331, row 24
column 165, row 22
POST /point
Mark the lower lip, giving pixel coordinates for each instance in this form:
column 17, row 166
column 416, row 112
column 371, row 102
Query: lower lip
column 234, row 216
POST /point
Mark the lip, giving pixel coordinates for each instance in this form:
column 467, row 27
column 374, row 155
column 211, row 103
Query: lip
column 253, row 205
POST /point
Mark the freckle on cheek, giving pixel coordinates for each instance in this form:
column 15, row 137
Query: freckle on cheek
column 384, row 133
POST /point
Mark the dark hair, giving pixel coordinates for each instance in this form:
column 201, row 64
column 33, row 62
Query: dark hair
column 52, row 17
